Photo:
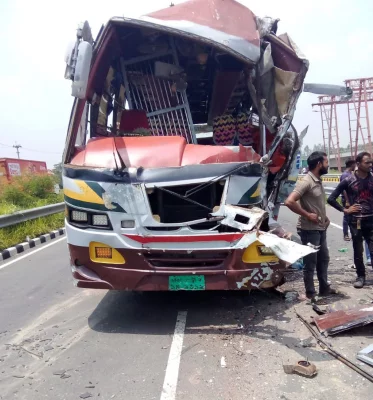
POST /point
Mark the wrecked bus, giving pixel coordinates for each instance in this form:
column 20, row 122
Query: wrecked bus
column 180, row 149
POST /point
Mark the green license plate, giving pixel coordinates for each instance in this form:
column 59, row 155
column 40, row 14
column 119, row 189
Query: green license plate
column 186, row 282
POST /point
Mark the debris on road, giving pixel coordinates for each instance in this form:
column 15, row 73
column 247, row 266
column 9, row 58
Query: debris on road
column 86, row 395
column 309, row 342
column 223, row 364
column 328, row 348
column 339, row 306
column 303, row 368
column 366, row 355
column 291, row 297
column 318, row 310
column 343, row 250
column 59, row 372
column 339, row 321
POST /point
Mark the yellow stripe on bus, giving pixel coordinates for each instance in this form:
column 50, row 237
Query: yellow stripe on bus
column 256, row 193
column 86, row 194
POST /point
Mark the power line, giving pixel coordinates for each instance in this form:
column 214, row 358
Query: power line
column 42, row 151
column 37, row 151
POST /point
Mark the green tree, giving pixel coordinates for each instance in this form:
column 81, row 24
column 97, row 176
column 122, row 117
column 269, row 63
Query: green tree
column 57, row 171
column 306, row 151
column 318, row 147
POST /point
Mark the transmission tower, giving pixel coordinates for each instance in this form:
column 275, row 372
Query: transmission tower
column 358, row 118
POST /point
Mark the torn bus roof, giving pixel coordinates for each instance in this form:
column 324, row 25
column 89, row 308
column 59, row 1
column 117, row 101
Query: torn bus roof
column 227, row 23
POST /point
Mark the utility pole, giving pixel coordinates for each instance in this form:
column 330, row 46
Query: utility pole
column 17, row 147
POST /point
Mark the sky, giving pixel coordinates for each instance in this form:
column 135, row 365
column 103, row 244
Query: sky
column 335, row 35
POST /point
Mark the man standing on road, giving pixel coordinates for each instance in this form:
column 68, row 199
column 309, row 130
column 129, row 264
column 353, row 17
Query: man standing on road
column 359, row 189
column 308, row 201
column 350, row 168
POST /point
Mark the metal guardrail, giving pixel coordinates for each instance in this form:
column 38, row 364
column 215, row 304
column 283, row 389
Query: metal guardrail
column 326, row 176
column 33, row 213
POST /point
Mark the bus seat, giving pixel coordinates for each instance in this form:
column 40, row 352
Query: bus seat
column 132, row 120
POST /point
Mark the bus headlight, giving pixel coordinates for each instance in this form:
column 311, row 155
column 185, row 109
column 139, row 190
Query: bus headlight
column 100, row 220
column 83, row 219
column 265, row 251
column 256, row 253
column 79, row 216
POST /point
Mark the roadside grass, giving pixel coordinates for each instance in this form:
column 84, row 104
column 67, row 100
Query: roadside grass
column 10, row 208
column 16, row 234
column 24, row 193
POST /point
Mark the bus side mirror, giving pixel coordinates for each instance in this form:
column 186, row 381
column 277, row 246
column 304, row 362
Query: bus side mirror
column 78, row 61
column 82, row 68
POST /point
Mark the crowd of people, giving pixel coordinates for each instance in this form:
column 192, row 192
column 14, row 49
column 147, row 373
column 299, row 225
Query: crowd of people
column 353, row 197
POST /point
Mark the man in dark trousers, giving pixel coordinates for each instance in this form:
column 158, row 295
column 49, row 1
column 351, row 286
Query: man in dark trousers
column 359, row 189
column 308, row 201
column 350, row 168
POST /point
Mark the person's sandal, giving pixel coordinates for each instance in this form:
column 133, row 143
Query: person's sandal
column 347, row 238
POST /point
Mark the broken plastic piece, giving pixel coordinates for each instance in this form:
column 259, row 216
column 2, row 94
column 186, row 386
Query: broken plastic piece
column 303, row 368
column 284, row 249
column 366, row 355
column 240, row 218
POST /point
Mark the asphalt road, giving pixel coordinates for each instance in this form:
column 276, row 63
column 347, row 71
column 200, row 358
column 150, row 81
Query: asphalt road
column 329, row 187
column 60, row 342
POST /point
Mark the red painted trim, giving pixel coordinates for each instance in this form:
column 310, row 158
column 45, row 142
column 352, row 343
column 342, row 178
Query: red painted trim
column 225, row 237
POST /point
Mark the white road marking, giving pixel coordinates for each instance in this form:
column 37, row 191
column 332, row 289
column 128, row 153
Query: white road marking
column 336, row 226
column 172, row 370
column 31, row 252
column 330, row 188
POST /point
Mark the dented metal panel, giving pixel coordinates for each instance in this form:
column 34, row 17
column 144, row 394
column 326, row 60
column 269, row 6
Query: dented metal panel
column 227, row 23
column 241, row 218
column 339, row 321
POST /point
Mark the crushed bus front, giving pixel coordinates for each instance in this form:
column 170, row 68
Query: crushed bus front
column 151, row 204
